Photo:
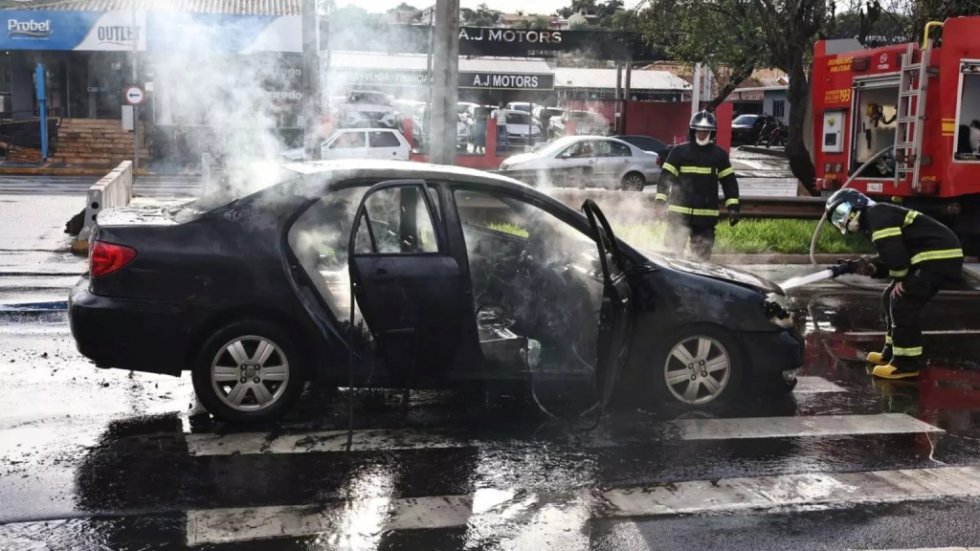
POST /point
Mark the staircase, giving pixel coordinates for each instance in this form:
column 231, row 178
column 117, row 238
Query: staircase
column 94, row 143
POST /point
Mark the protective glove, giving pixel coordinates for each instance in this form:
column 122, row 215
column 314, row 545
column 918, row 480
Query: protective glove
column 734, row 214
column 659, row 208
column 862, row 266
column 866, row 266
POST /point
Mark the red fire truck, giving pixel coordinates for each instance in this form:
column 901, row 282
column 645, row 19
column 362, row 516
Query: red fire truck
column 918, row 101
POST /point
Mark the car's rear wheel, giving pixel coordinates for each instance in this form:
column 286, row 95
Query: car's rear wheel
column 248, row 371
column 697, row 366
column 633, row 181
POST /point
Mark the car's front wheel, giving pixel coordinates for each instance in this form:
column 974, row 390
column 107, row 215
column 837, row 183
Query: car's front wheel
column 248, row 371
column 697, row 366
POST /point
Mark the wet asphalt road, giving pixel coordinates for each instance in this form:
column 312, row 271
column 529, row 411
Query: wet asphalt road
column 93, row 459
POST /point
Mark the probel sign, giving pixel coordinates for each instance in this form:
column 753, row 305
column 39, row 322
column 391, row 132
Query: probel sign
column 30, row 28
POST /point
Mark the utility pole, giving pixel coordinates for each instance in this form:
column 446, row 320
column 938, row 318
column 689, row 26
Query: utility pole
column 134, row 37
column 696, row 90
column 445, row 74
column 311, row 77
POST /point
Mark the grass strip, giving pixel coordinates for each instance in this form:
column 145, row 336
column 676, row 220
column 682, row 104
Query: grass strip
column 756, row 236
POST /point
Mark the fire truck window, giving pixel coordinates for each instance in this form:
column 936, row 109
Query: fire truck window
column 968, row 123
column 874, row 129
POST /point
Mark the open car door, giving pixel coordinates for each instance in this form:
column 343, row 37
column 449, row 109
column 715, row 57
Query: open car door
column 411, row 290
column 616, row 311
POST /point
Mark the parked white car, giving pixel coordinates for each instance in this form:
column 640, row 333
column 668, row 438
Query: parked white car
column 586, row 161
column 366, row 143
column 520, row 126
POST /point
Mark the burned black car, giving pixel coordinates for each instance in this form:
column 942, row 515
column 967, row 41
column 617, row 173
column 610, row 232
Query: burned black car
column 413, row 276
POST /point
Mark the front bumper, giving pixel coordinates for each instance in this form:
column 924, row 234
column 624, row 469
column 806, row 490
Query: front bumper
column 771, row 354
column 138, row 335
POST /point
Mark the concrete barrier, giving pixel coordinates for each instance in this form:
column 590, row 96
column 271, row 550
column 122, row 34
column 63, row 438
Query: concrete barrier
column 115, row 189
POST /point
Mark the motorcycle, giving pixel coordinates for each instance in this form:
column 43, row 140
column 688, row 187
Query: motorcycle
column 772, row 134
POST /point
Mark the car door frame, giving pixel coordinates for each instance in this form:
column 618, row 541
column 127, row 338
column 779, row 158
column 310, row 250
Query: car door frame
column 459, row 317
column 619, row 322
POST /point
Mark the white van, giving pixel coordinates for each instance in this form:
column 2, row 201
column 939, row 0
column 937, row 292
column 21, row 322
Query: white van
column 366, row 143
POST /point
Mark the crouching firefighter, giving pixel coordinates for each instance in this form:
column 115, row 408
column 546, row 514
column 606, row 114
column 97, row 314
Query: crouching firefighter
column 918, row 253
column 688, row 189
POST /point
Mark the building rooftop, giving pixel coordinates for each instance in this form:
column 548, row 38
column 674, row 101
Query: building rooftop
column 606, row 78
column 236, row 7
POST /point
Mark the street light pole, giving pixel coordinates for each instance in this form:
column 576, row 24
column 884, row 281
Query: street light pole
column 311, row 75
column 445, row 81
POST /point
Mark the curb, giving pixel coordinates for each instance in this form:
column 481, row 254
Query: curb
column 763, row 150
column 779, row 258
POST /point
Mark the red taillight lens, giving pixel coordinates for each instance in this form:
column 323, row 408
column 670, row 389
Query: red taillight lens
column 105, row 258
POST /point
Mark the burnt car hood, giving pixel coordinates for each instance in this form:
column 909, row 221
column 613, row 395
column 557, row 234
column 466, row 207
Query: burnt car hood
column 715, row 271
column 152, row 215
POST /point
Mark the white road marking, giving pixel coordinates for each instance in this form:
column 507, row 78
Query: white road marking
column 360, row 522
column 926, row 549
column 247, row 443
column 812, row 385
column 791, row 427
column 933, row 332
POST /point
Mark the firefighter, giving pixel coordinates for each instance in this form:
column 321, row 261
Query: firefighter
column 688, row 189
column 918, row 253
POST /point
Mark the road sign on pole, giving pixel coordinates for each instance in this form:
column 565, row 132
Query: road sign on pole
column 133, row 94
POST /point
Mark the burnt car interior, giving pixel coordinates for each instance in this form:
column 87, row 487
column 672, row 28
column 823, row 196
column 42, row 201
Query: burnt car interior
column 536, row 283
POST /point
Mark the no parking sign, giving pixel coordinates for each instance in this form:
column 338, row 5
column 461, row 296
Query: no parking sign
column 133, row 94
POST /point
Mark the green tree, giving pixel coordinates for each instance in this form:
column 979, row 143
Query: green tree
column 742, row 35
column 482, row 16
column 606, row 13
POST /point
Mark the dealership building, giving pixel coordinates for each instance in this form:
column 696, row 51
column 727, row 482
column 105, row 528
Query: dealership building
column 228, row 63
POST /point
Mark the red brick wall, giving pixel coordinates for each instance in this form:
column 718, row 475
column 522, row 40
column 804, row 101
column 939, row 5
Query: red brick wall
column 668, row 122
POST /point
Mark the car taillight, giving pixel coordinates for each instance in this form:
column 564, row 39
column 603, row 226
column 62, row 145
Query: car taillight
column 106, row 258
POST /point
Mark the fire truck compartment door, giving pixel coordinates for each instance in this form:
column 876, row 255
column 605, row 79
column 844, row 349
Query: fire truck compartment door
column 833, row 132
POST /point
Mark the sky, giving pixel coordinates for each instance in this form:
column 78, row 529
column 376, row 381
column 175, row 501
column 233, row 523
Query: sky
column 506, row 6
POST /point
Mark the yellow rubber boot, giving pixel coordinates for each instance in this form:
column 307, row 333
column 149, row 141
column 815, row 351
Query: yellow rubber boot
column 893, row 372
column 880, row 358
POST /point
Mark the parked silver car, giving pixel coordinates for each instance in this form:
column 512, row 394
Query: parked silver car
column 586, row 161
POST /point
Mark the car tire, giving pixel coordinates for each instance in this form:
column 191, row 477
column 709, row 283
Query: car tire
column 700, row 346
column 248, row 370
column 633, row 181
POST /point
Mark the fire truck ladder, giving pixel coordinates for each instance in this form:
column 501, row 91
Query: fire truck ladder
column 911, row 115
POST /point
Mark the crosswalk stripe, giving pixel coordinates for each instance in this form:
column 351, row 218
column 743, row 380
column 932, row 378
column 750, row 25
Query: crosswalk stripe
column 248, row 443
column 813, row 385
column 489, row 509
column 799, row 426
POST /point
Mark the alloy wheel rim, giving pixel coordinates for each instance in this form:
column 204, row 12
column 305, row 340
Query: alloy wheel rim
column 633, row 182
column 249, row 373
column 697, row 370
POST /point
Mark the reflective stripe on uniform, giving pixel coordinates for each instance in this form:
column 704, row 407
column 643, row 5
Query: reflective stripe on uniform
column 670, row 168
column 910, row 217
column 912, row 351
column 898, row 273
column 888, row 339
column 693, row 212
column 732, row 201
column 726, row 172
column 697, row 170
column 660, row 197
column 944, row 254
column 886, row 232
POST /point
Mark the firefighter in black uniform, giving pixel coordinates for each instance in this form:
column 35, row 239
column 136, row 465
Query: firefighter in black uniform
column 688, row 189
column 918, row 253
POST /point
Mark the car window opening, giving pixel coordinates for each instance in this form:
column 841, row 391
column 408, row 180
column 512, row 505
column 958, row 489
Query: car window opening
column 537, row 285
